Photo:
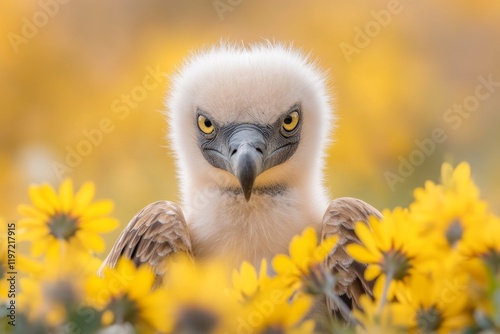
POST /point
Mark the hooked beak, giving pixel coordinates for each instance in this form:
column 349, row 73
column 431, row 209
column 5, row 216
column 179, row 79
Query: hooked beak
column 246, row 149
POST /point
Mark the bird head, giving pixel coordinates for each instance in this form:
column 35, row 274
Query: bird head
column 248, row 118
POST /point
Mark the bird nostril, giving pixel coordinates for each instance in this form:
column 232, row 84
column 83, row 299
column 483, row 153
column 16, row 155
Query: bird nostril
column 259, row 150
column 234, row 151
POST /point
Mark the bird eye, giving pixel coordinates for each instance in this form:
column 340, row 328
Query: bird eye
column 291, row 121
column 206, row 126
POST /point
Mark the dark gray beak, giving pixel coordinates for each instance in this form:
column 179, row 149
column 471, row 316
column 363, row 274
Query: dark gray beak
column 247, row 147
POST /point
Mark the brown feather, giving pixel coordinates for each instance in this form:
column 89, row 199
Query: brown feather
column 156, row 232
column 340, row 219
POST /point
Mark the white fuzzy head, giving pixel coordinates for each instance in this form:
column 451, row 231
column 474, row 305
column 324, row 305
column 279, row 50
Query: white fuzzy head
column 249, row 85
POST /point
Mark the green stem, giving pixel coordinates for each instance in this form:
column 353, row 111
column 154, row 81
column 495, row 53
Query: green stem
column 342, row 306
column 388, row 279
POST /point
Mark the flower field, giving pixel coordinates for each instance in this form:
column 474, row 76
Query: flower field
column 435, row 266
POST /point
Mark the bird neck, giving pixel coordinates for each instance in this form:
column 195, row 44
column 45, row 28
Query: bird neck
column 223, row 223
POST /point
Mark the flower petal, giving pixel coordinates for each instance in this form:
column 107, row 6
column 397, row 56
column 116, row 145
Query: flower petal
column 300, row 306
column 83, row 198
column 29, row 211
column 34, row 233
column 50, row 196
column 40, row 246
column 246, row 280
column 99, row 225
column 302, row 247
column 361, row 254
column 98, row 209
column 66, row 195
column 90, row 241
column 39, row 201
column 142, row 283
column 283, row 265
column 372, row 272
column 324, row 248
column 366, row 235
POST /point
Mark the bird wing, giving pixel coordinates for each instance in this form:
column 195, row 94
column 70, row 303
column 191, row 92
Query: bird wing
column 156, row 232
column 340, row 219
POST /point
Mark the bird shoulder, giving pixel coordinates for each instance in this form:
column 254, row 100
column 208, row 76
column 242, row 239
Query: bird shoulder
column 340, row 219
column 156, row 232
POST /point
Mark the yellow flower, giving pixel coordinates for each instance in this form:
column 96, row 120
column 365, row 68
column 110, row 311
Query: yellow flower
column 484, row 242
column 434, row 303
column 49, row 295
column 482, row 252
column 198, row 297
column 392, row 248
column 11, row 260
column 305, row 261
column 247, row 283
column 125, row 295
column 267, row 307
column 448, row 212
column 271, row 311
column 56, row 222
column 374, row 322
column 482, row 289
column 43, row 302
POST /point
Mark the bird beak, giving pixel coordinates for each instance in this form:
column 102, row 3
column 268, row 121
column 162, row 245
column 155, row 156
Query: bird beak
column 247, row 147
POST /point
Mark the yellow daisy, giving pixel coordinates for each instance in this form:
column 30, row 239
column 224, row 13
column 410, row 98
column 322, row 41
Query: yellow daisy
column 271, row 311
column 484, row 242
column 267, row 307
column 482, row 252
column 434, row 303
column 392, row 248
column 450, row 211
column 125, row 295
column 43, row 302
column 247, row 282
column 58, row 221
column 371, row 321
column 11, row 260
column 304, row 266
column 198, row 297
column 50, row 296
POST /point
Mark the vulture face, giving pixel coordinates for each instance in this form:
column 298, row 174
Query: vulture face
column 257, row 118
column 248, row 149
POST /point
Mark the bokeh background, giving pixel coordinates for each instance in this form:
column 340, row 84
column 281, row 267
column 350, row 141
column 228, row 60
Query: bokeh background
column 64, row 78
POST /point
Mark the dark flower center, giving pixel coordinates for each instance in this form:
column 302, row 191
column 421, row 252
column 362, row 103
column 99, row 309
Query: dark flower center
column 61, row 291
column 428, row 320
column 273, row 330
column 396, row 262
column 491, row 258
column 63, row 226
column 318, row 280
column 124, row 310
column 196, row 320
column 454, row 232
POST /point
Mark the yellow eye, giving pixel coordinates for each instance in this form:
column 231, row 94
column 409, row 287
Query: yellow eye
column 291, row 121
column 206, row 126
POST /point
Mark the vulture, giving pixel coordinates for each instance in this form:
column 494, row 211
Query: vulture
column 248, row 126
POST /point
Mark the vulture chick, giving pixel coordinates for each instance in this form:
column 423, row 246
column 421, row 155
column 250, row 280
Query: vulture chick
column 249, row 127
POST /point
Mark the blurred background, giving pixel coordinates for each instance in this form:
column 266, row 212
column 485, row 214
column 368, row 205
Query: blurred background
column 81, row 94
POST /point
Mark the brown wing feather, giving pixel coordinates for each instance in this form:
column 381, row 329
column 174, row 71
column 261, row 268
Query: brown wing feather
column 339, row 219
column 157, row 231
